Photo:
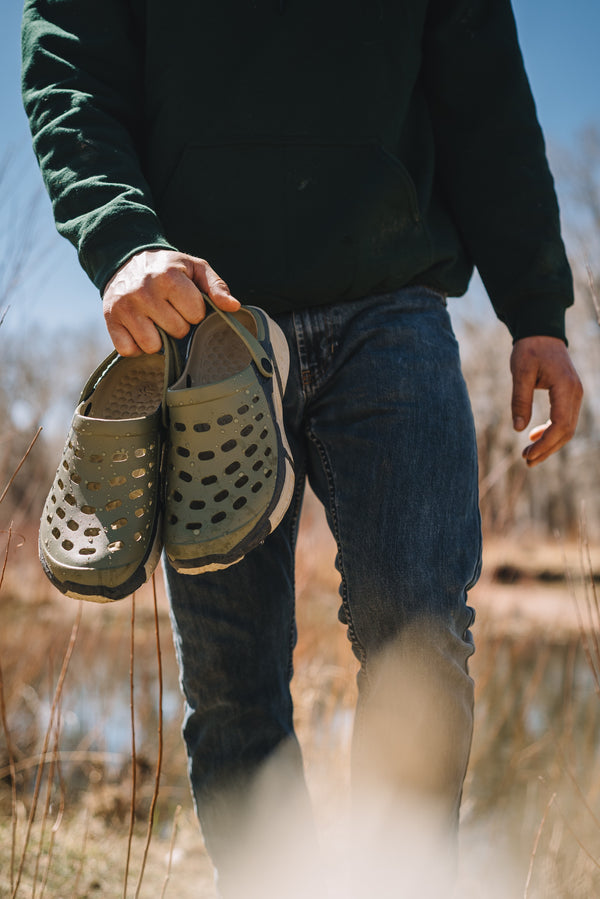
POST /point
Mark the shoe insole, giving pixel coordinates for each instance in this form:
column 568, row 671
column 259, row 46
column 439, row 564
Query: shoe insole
column 132, row 388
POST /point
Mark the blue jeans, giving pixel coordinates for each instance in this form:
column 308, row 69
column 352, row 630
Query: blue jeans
column 378, row 419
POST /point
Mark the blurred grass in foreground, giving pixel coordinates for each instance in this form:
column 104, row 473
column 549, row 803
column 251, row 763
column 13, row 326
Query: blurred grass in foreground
column 531, row 808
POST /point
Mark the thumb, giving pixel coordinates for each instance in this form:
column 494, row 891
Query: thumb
column 205, row 277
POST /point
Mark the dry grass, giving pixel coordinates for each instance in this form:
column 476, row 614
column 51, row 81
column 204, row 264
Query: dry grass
column 531, row 797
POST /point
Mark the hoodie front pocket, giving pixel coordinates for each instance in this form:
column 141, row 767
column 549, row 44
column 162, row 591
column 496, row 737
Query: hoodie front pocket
column 313, row 220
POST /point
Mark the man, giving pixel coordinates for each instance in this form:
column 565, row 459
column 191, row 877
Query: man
column 344, row 166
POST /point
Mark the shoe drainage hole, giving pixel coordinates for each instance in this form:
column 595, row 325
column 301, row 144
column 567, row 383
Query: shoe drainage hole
column 225, row 420
column 88, row 510
column 137, row 536
column 255, row 400
column 257, row 465
column 209, row 479
column 139, row 512
column 72, row 525
column 113, row 504
column 93, row 485
column 56, row 533
column 183, row 451
column 256, row 487
column 53, row 498
column 60, row 483
column 75, row 478
column 177, row 496
column 135, row 494
column 49, row 519
column 96, row 457
column 221, row 496
column 240, row 502
column 138, row 472
column 206, row 456
column 197, row 504
column 243, row 409
column 65, row 465
column 87, row 551
column 231, row 469
column 251, row 450
column 247, row 430
column 185, row 476
column 229, row 445
column 201, row 427
column 116, row 546
column 119, row 523
column 264, row 434
column 220, row 516
column 70, row 499
column 120, row 456
column 91, row 532
column 259, row 417
column 60, row 512
column 118, row 481
column 179, row 426
column 173, row 519
column 140, row 452
column 241, row 481
column 194, row 526
column 67, row 544
column 78, row 452
column 268, row 451
column 268, row 472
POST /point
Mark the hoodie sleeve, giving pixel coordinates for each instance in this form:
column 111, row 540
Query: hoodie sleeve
column 82, row 90
column 492, row 162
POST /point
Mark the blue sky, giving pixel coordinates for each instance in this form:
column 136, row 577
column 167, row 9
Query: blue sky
column 560, row 44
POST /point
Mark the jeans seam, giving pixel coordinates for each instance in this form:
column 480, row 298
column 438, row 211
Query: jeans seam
column 296, row 501
column 358, row 647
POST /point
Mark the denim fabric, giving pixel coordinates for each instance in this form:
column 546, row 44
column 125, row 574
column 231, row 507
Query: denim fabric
column 378, row 419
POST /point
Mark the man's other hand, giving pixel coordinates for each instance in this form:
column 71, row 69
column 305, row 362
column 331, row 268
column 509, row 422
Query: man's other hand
column 164, row 288
column 544, row 363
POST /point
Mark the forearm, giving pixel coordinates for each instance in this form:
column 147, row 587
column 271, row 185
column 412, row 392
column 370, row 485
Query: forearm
column 492, row 163
column 82, row 93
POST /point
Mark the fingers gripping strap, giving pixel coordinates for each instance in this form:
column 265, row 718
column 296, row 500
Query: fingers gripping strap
column 263, row 364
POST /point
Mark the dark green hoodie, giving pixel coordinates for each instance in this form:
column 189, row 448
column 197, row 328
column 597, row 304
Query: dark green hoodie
column 312, row 150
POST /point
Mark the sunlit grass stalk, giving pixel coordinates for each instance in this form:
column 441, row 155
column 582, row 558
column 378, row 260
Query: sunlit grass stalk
column 171, row 849
column 86, row 830
column 49, row 730
column 160, row 740
column 133, row 749
column 55, row 766
column 20, row 465
column 9, row 744
column 536, row 843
